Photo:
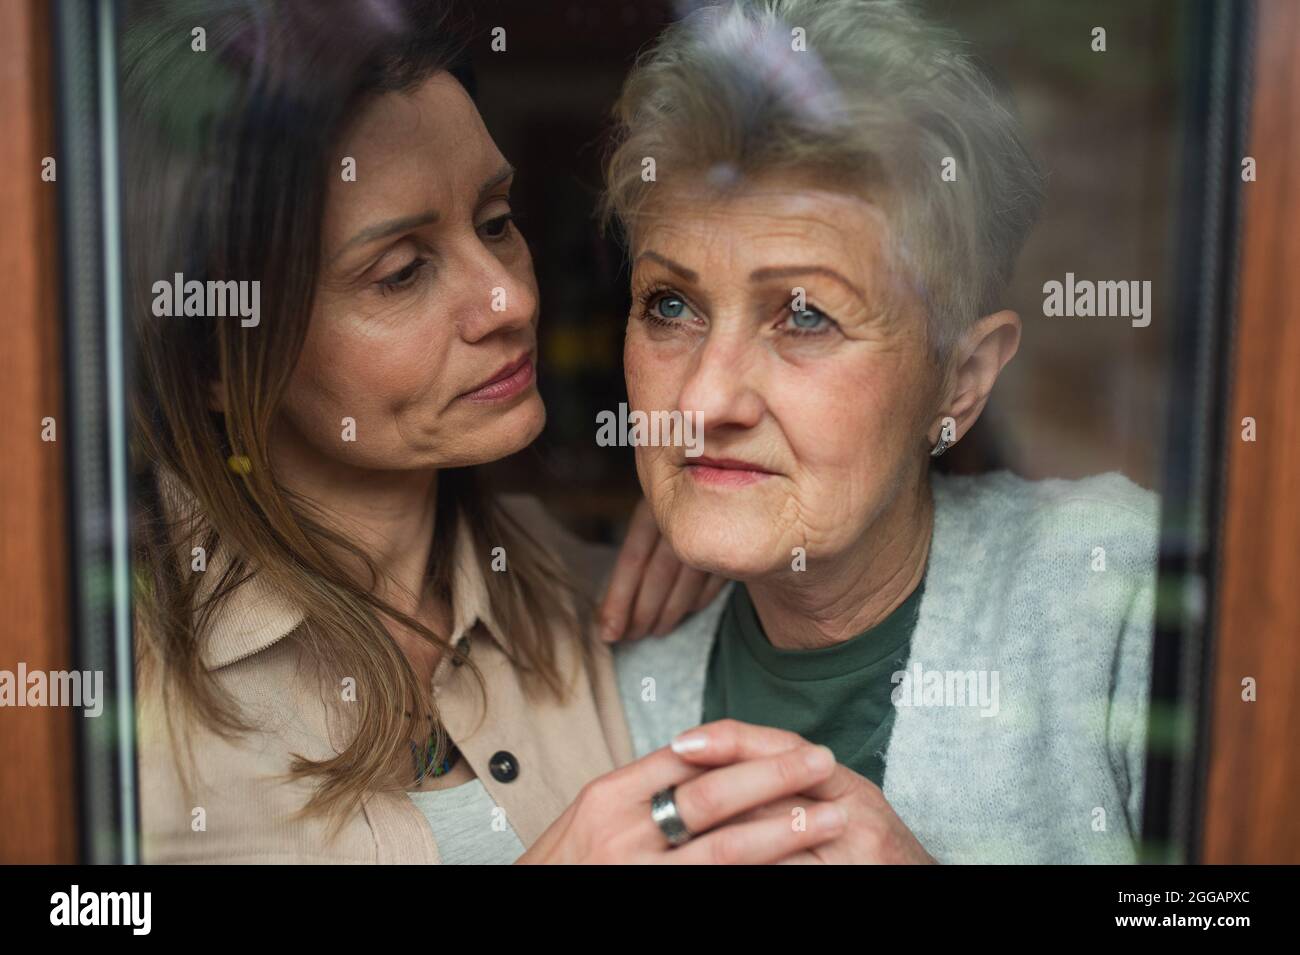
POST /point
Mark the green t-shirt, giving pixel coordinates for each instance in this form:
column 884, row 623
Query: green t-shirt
column 837, row 696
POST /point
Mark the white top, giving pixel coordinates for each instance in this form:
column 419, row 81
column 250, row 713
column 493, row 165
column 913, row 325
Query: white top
column 468, row 826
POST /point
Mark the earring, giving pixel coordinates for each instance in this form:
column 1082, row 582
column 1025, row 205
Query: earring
column 942, row 445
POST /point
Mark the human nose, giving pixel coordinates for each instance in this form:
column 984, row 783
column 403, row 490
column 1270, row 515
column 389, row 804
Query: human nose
column 499, row 296
column 723, row 387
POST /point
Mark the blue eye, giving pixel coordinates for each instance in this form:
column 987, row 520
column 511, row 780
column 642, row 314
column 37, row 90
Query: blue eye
column 664, row 307
column 808, row 321
column 670, row 306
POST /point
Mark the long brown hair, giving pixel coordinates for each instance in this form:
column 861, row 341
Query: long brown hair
column 227, row 150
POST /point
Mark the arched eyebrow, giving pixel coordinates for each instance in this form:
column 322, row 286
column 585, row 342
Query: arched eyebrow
column 758, row 275
column 789, row 271
column 689, row 274
column 406, row 223
column 501, row 175
column 386, row 228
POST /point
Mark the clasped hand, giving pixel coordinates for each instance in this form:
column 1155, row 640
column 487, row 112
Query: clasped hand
column 750, row 795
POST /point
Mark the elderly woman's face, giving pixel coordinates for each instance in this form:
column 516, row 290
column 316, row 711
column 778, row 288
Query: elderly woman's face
column 814, row 418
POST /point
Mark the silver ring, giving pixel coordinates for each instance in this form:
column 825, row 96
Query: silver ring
column 663, row 810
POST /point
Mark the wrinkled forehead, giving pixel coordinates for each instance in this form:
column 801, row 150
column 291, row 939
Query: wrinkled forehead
column 776, row 219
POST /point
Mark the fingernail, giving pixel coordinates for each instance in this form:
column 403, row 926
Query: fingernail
column 690, row 744
column 831, row 816
column 608, row 632
column 819, row 758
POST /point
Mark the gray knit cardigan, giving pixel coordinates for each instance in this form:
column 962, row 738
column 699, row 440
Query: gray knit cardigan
column 1021, row 719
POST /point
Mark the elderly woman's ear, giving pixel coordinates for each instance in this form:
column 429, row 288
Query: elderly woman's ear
column 974, row 364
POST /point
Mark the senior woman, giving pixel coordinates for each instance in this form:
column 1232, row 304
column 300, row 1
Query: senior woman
column 820, row 250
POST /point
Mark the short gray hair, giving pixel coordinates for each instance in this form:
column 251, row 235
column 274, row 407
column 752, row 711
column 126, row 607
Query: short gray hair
column 878, row 99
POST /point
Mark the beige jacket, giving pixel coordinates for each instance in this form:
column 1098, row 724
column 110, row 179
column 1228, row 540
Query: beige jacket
column 239, row 811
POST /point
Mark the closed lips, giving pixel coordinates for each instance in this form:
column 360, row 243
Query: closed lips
column 726, row 464
column 507, row 380
column 725, row 472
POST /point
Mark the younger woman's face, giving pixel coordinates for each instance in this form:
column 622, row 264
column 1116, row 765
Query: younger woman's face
column 421, row 347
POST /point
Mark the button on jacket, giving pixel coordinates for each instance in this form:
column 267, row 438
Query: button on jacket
column 531, row 752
